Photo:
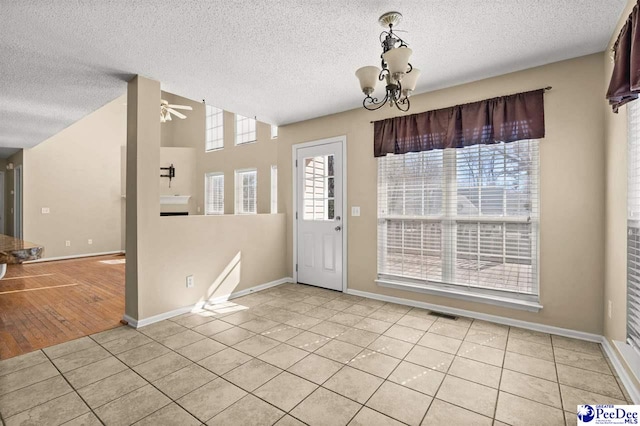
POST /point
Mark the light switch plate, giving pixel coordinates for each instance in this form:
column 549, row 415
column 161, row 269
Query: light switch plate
column 45, row 210
column 355, row 211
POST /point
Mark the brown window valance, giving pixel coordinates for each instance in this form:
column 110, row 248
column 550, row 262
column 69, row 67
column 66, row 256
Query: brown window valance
column 502, row 119
column 625, row 79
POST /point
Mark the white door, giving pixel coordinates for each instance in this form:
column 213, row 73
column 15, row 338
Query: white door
column 319, row 215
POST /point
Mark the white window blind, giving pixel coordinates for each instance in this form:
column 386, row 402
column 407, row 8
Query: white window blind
column 274, row 189
column 215, row 128
column 245, row 129
column 633, row 225
column 214, row 193
column 465, row 217
column 246, row 188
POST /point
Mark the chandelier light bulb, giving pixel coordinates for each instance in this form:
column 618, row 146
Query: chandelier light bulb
column 368, row 77
column 409, row 82
column 398, row 61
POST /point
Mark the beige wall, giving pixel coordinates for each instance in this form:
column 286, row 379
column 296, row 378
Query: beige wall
column 260, row 155
column 76, row 174
column 615, row 289
column 224, row 253
column 184, row 161
column 572, row 188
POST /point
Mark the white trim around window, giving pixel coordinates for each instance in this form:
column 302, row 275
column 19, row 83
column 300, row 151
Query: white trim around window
column 274, row 189
column 213, row 193
column 245, row 130
column 462, row 223
column 214, row 128
column 246, row 191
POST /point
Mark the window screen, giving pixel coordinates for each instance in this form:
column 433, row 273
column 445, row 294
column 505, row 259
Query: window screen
column 215, row 128
column 633, row 226
column 245, row 129
column 214, row 193
column 274, row 189
column 246, row 187
column 465, row 217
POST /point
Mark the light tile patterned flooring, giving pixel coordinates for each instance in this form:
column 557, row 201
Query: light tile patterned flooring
column 295, row 354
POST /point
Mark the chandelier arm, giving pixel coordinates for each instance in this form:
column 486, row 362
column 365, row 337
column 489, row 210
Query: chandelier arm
column 373, row 103
column 410, row 68
column 404, row 101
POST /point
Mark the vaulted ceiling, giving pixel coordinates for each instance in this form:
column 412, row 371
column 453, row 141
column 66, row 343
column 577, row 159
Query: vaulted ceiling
column 280, row 60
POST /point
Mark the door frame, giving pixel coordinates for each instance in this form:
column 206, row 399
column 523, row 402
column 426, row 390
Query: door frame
column 3, row 219
column 294, row 151
column 18, row 185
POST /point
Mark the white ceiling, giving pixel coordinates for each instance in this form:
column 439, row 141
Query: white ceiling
column 280, row 60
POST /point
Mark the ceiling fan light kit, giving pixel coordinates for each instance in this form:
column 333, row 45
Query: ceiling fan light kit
column 166, row 110
column 398, row 74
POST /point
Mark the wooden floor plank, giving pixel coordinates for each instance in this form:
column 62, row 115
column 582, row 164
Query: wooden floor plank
column 41, row 317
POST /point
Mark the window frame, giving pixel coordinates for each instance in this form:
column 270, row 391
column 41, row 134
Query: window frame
column 206, row 193
column 449, row 218
column 239, row 120
column 219, row 114
column 274, row 189
column 239, row 189
column 633, row 225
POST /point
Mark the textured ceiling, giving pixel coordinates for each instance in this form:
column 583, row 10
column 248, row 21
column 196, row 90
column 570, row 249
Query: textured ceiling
column 282, row 61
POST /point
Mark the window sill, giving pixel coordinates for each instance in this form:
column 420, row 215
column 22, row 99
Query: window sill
column 214, row 149
column 462, row 294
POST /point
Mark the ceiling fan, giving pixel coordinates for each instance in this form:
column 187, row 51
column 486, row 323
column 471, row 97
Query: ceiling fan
column 166, row 110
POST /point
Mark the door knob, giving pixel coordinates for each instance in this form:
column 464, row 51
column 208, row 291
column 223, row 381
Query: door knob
column 338, row 228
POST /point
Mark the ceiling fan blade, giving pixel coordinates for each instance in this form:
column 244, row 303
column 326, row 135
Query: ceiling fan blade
column 180, row 107
column 176, row 113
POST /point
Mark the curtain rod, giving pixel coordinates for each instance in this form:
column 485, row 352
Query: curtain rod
column 546, row 89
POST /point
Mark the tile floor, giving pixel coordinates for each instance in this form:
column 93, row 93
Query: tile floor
column 295, row 354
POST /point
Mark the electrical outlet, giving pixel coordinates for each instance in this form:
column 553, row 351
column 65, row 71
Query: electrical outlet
column 189, row 281
column 45, row 210
column 609, row 308
column 355, row 211
column 67, row 243
column 89, row 241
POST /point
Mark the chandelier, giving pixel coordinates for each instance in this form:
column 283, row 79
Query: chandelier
column 397, row 73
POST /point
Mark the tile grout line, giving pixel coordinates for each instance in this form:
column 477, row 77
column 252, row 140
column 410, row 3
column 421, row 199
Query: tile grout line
column 334, row 338
column 147, row 381
column 74, row 390
column 495, row 408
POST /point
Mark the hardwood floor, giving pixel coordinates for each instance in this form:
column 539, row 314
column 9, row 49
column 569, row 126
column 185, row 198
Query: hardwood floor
column 43, row 304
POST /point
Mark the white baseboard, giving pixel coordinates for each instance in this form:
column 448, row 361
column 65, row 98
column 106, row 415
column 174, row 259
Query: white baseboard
column 614, row 355
column 220, row 299
column 254, row 289
column 76, row 256
column 478, row 315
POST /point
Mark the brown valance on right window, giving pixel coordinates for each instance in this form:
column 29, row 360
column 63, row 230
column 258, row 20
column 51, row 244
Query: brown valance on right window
column 625, row 79
column 503, row 119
